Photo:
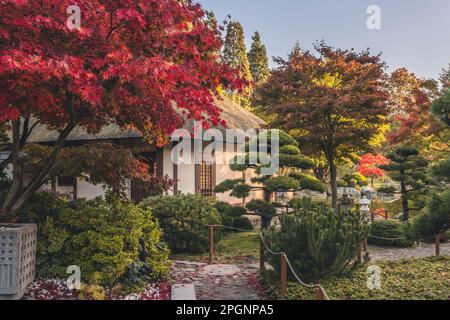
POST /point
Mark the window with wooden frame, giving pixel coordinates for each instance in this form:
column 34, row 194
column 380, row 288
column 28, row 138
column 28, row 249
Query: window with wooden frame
column 205, row 179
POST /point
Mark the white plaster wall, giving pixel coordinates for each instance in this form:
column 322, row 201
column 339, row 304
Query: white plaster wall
column 223, row 172
column 88, row 190
column 186, row 178
column 168, row 164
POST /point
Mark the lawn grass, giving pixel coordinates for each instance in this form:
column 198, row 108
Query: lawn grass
column 409, row 279
column 235, row 248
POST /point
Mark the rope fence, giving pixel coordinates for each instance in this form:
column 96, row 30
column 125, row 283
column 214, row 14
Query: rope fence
column 284, row 263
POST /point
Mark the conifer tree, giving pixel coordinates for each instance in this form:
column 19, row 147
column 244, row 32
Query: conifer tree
column 258, row 60
column 409, row 169
column 235, row 55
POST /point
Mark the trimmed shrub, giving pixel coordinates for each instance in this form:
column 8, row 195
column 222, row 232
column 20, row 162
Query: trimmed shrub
column 184, row 219
column 243, row 223
column 229, row 213
column 382, row 230
column 104, row 237
column 317, row 240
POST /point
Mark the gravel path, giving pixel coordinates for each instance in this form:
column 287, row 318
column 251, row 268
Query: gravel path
column 419, row 251
column 219, row 281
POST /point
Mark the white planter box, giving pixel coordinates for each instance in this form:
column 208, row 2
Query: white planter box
column 17, row 259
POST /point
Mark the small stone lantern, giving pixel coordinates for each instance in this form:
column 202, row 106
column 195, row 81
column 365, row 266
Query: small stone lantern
column 364, row 205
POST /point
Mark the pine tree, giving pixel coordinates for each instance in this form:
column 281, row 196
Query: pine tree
column 290, row 160
column 258, row 60
column 409, row 169
column 235, row 55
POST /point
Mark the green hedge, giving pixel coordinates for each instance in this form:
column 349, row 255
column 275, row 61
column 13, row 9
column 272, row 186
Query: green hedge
column 390, row 229
column 184, row 219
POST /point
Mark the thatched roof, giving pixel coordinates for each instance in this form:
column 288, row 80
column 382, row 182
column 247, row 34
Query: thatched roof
column 234, row 115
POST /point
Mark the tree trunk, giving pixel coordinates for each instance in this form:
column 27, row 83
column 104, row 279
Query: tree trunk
column 265, row 221
column 333, row 184
column 19, row 194
column 371, row 181
column 405, row 207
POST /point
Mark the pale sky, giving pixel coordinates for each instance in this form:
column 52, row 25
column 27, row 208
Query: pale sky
column 414, row 33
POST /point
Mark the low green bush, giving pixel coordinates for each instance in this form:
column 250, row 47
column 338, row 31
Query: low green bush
column 184, row 219
column 382, row 230
column 232, row 215
column 104, row 237
column 317, row 240
column 243, row 223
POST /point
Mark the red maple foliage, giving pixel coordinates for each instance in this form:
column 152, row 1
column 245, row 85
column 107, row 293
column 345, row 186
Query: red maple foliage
column 368, row 166
column 149, row 65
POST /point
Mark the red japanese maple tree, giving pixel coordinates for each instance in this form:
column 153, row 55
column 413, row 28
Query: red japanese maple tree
column 145, row 64
column 368, row 166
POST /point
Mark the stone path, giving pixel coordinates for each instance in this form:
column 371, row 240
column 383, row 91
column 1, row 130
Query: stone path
column 219, row 281
column 419, row 251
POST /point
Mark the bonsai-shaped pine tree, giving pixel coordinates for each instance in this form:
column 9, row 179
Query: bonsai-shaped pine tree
column 288, row 177
column 409, row 169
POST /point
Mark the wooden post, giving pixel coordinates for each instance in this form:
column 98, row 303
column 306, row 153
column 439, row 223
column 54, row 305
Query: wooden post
column 261, row 255
column 437, row 243
column 319, row 294
column 211, row 244
column 283, row 268
column 386, row 215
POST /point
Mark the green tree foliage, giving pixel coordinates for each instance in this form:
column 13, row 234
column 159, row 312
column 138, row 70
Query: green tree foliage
column 409, row 169
column 235, row 55
column 317, row 240
column 184, row 220
column 354, row 180
column 436, row 218
column 442, row 170
column 264, row 209
column 333, row 102
column 258, row 61
column 440, row 107
column 233, row 216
